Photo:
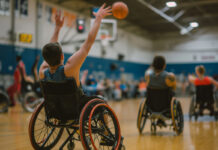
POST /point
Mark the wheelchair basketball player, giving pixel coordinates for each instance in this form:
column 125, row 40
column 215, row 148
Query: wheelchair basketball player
column 157, row 78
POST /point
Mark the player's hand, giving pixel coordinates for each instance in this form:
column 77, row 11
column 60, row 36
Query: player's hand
column 85, row 72
column 59, row 21
column 103, row 12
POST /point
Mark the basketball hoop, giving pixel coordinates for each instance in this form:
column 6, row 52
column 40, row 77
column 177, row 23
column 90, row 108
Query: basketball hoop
column 104, row 40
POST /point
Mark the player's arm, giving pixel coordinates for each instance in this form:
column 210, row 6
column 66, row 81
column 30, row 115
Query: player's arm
column 214, row 82
column 76, row 60
column 58, row 25
column 191, row 79
column 84, row 76
column 147, row 78
column 147, row 75
column 171, row 80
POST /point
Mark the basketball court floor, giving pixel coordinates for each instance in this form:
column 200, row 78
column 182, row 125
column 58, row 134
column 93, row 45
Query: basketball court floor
column 200, row 135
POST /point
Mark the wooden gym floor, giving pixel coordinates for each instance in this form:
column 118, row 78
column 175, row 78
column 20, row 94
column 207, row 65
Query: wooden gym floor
column 200, row 135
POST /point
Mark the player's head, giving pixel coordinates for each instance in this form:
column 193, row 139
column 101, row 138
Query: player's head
column 159, row 63
column 18, row 58
column 200, row 70
column 52, row 54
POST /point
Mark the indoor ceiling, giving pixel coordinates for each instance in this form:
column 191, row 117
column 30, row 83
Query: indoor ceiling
column 142, row 20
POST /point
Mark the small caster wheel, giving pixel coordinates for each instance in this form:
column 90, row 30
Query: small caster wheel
column 70, row 146
column 122, row 147
column 153, row 128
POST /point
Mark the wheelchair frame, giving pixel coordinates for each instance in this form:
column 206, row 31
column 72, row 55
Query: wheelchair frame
column 177, row 120
column 87, row 115
column 194, row 108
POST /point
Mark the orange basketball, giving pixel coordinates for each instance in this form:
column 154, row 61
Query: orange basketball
column 120, row 10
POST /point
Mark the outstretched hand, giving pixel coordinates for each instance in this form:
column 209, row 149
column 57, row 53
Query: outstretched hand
column 59, row 21
column 103, row 12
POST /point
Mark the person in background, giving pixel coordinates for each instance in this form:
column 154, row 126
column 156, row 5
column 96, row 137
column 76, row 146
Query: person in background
column 19, row 77
column 34, row 69
column 124, row 89
column 142, row 88
column 117, row 90
column 158, row 78
column 202, row 80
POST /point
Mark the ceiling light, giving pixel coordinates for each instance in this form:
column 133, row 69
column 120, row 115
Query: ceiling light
column 194, row 24
column 171, row 4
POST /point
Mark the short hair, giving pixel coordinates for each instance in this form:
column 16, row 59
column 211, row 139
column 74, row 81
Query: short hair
column 201, row 69
column 158, row 63
column 51, row 53
column 18, row 58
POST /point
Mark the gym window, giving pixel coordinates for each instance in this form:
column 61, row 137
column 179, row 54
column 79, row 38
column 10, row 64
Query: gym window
column 21, row 7
column 4, row 7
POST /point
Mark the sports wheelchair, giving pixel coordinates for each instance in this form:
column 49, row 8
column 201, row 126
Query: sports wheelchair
column 162, row 109
column 204, row 98
column 4, row 101
column 61, row 111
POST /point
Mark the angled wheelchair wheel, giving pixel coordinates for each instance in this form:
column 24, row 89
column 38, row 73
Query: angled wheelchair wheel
column 30, row 101
column 177, row 116
column 84, row 119
column 216, row 105
column 192, row 107
column 4, row 102
column 104, row 128
column 42, row 136
column 142, row 116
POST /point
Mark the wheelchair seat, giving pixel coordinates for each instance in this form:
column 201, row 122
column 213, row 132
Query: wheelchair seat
column 159, row 100
column 204, row 93
column 62, row 99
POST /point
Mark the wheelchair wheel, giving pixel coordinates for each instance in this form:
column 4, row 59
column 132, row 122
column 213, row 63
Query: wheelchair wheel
column 104, row 128
column 42, row 136
column 4, row 102
column 192, row 107
column 177, row 116
column 84, row 117
column 142, row 116
column 30, row 101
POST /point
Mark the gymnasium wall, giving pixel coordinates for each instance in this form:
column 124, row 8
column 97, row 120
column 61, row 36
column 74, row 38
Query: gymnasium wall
column 185, row 52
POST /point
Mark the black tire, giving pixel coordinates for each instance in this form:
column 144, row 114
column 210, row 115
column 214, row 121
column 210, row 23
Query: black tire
column 29, row 102
column 196, row 116
column 4, row 102
column 142, row 116
column 178, row 118
column 192, row 107
column 153, row 128
column 37, row 143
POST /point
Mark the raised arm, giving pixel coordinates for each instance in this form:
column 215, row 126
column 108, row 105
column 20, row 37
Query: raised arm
column 74, row 63
column 58, row 25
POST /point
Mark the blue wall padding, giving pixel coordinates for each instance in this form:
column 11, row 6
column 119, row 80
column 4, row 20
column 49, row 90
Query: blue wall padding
column 8, row 54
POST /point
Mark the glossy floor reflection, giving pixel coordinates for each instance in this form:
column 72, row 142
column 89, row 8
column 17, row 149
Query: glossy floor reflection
column 200, row 135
